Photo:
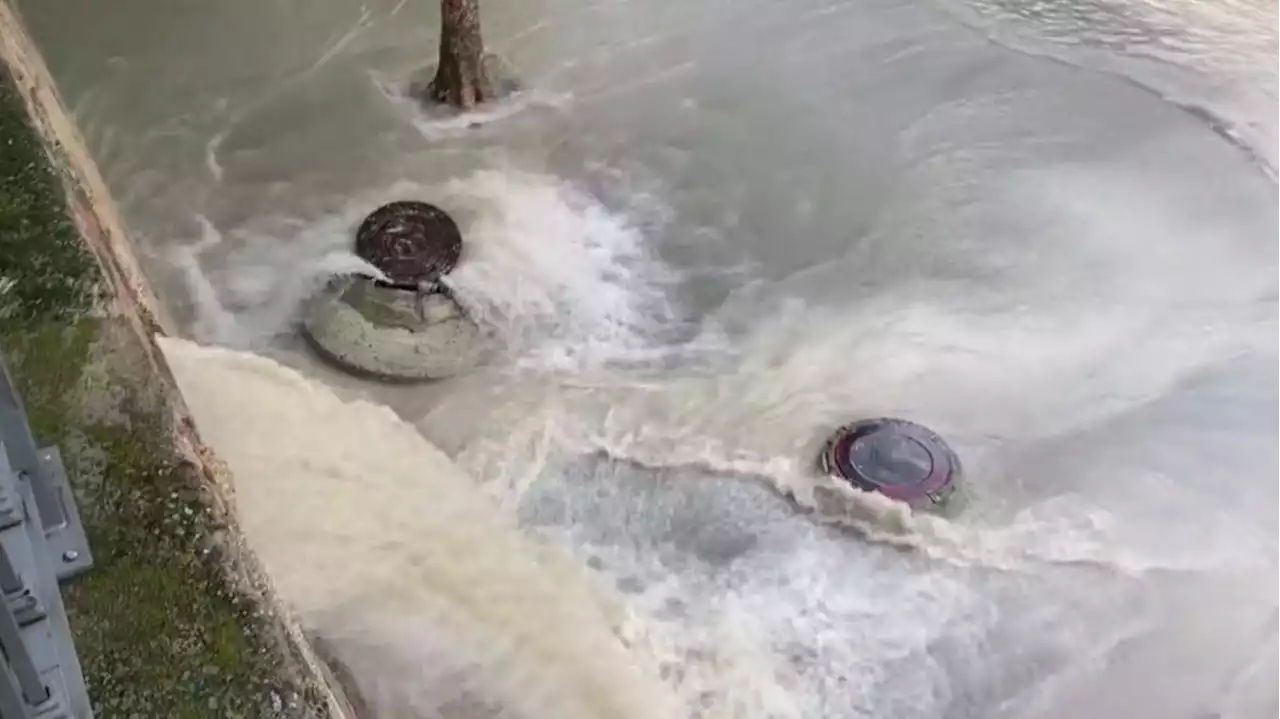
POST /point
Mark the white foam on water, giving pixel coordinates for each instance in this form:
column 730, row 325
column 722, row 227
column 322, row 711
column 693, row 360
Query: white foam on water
column 445, row 123
column 823, row 629
column 247, row 289
column 566, row 282
column 835, row 628
column 803, row 373
column 570, row 283
column 384, row 548
column 808, row 625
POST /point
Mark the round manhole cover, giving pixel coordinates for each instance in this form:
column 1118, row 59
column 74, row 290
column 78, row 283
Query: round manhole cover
column 410, row 242
column 895, row 457
column 888, row 458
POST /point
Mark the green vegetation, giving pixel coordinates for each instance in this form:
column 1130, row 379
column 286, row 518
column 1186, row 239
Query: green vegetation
column 45, row 273
column 159, row 629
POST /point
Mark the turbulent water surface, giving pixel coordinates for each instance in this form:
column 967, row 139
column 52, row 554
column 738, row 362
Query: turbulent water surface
column 709, row 232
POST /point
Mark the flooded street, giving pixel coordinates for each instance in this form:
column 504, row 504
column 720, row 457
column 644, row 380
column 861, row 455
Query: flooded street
column 708, row 233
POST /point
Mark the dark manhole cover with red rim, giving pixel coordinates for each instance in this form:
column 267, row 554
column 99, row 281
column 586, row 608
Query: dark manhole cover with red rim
column 410, row 242
column 894, row 457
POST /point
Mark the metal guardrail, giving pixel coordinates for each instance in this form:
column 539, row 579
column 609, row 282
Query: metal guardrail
column 41, row 543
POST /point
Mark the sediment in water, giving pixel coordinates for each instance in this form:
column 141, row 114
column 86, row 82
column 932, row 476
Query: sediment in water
column 431, row 598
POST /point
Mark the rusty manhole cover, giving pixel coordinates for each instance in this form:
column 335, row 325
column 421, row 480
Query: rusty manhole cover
column 411, row 242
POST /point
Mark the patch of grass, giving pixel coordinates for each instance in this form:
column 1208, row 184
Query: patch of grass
column 45, row 272
column 157, row 630
column 50, row 389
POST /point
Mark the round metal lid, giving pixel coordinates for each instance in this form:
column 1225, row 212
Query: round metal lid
column 893, row 456
column 890, row 458
column 411, row 242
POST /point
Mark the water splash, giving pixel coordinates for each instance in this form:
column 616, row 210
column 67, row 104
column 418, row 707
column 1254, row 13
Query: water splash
column 566, row 282
column 571, row 284
column 429, row 595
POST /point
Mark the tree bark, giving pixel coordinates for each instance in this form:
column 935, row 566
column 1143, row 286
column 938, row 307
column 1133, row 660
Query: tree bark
column 462, row 75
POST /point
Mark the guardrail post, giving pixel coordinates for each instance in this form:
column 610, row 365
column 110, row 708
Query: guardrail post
column 41, row 542
column 63, row 531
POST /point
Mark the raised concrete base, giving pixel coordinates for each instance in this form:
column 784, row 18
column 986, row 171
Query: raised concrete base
column 392, row 334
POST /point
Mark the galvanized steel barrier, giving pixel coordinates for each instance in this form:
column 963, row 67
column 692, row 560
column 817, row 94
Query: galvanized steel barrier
column 41, row 543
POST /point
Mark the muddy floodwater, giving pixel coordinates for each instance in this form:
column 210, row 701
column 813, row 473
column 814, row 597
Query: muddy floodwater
column 707, row 233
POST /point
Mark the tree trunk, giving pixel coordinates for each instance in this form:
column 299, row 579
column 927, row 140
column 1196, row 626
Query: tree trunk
column 462, row 77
